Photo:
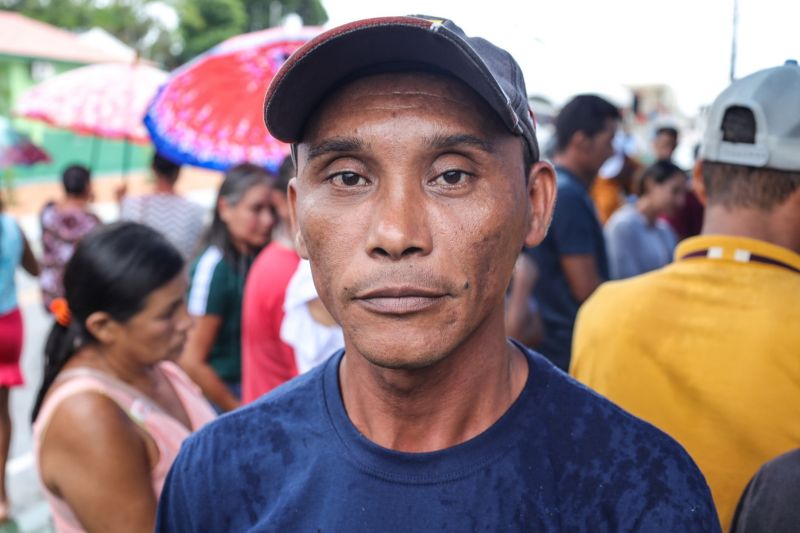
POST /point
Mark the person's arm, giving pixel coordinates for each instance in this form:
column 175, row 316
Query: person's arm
column 764, row 505
column 29, row 262
column 99, row 462
column 120, row 192
column 522, row 322
column 621, row 245
column 194, row 362
column 575, row 230
column 581, row 274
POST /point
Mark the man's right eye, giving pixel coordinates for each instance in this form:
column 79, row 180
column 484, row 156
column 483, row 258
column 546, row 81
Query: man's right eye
column 348, row 179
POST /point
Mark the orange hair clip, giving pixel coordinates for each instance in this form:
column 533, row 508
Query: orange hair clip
column 60, row 309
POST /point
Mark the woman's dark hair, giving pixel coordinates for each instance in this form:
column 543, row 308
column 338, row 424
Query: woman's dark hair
column 76, row 180
column 114, row 269
column 238, row 180
column 658, row 172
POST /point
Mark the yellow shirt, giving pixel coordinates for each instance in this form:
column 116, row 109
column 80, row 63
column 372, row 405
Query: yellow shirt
column 708, row 350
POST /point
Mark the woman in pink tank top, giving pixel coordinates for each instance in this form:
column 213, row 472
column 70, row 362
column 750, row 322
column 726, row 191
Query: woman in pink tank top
column 113, row 409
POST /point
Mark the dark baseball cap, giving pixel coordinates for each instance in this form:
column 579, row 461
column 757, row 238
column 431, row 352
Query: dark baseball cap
column 382, row 44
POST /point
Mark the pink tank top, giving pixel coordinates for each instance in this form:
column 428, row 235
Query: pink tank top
column 167, row 432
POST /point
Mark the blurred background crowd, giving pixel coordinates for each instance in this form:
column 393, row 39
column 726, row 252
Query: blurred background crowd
column 150, row 112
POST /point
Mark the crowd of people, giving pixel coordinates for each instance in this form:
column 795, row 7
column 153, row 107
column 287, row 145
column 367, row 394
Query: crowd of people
column 417, row 224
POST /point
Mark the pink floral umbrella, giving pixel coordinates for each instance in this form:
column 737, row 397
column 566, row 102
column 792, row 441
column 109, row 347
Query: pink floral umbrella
column 210, row 112
column 106, row 100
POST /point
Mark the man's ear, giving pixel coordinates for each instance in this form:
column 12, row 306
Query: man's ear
column 578, row 140
column 542, row 192
column 102, row 327
column 698, row 181
column 299, row 242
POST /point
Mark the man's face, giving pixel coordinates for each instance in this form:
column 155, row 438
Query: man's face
column 600, row 146
column 664, row 145
column 411, row 204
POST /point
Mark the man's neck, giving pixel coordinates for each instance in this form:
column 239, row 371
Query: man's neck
column 163, row 187
column 584, row 176
column 75, row 202
column 645, row 207
column 437, row 407
column 753, row 224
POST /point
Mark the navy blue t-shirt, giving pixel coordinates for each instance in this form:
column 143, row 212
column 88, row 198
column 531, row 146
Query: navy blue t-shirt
column 575, row 230
column 561, row 458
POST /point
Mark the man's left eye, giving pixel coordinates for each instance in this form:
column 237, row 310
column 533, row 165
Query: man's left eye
column 452, row 177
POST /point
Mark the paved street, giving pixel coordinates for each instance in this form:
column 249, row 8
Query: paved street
column 29, row 510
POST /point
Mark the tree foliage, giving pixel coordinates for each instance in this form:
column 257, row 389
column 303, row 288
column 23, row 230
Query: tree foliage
column 129, row 20
column 263, row 14
column 205, row 23
column 201, row 23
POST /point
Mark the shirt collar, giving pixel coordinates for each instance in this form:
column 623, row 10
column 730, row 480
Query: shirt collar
column 737, row 249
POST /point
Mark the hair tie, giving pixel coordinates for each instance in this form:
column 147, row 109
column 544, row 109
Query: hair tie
column 60, row 308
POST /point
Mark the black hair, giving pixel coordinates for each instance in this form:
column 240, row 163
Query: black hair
column 76, row 180
column 114, row 269
column 285, row 173
column 165, row 168
column 735, row 186
column 658, row 172
column 238, row 180
column 668, row 130
column 585, row 113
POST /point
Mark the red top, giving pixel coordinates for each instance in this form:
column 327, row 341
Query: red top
column 267, row 361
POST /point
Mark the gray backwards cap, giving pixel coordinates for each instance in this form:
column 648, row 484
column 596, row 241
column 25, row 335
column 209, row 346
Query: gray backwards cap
column 331, row 58
column 773, row 96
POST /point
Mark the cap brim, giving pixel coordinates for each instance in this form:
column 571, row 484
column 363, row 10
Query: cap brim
column 334, row 56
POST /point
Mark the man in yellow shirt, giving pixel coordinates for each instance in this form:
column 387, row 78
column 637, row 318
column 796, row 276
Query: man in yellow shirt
column 708, row 348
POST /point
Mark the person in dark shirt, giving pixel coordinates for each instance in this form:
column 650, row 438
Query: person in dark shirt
column 418, row 182
column 770, row 501
column 572, row 259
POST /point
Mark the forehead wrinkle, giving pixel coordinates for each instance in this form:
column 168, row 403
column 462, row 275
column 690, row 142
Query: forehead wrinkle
column 406, row 94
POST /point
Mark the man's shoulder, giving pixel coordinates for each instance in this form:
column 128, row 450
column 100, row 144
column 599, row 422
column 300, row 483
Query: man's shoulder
column 569, row 190
column 568, row 399
column 633, row 468
column 626, row 296
column 624, row 217
column 132, row 201
column 184, row 206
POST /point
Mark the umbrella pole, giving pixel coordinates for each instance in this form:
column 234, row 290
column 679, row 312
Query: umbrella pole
column 94, row 154
column 126, row 160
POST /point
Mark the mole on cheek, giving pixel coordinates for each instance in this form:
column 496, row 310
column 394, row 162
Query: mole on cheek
column 466, row 285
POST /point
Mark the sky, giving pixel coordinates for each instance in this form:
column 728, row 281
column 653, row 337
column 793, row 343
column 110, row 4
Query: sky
column 569, row 46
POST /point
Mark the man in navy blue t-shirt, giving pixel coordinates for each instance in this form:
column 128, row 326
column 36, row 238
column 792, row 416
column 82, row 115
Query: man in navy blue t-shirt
column 418, row 183
column 572, row 258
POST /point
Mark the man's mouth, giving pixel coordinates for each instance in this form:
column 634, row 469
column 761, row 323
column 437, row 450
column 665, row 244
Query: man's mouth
column 400, row 300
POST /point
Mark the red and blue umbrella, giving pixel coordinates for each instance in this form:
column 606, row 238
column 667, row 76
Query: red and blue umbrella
column 209, row 113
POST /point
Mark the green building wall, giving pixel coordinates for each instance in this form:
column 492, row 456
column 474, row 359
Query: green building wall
column 64, row 147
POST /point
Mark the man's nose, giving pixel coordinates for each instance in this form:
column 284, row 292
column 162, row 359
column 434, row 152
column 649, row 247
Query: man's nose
column 399, row 223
